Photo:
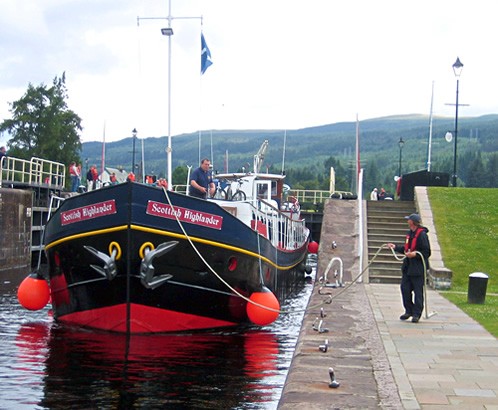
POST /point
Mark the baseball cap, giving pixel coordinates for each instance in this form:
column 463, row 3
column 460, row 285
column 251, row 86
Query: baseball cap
column 414, row 217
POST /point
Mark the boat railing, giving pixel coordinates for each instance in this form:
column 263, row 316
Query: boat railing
column 283, row 232
column 181, row 189
column 33, row 172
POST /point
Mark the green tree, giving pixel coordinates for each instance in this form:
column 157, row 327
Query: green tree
column 476, row 173
column 491, row 174
column 179, row 175
column 43, row 126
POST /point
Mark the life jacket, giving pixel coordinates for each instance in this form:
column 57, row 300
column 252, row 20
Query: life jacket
column 411, row 245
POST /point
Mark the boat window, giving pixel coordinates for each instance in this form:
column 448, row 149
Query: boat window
column 262, row 189
column 274, row 190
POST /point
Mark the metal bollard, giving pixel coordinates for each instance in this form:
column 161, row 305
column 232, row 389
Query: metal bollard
column 478, row 282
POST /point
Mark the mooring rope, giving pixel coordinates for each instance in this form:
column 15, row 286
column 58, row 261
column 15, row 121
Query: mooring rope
column 330, row 296
column 209, row 266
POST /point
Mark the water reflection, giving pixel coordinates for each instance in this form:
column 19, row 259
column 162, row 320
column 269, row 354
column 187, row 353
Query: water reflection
column 55, row 366
column 111, row 371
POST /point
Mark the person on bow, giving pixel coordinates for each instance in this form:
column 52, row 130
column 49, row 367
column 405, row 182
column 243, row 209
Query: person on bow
column 417, row 250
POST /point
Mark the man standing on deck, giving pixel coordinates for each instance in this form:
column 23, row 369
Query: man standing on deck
column 417, row 250
column 201, row 181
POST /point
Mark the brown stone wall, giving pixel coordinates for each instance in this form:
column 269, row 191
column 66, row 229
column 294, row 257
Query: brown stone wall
column 15, row 233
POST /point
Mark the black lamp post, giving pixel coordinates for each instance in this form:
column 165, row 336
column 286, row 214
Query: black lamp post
column 457, row 69
column 400, row 144
column 134, row 137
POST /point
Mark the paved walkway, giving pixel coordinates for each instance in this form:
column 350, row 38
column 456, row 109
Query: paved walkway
column 445, row 361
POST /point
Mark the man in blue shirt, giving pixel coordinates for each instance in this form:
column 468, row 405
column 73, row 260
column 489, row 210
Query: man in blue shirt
column 201, row 181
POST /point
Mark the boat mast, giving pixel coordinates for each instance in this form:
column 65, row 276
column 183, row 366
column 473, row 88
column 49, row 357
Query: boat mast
column 358, row 162
column 168, row 32
column 102, row 165
column 143, row 162
column 169, row 149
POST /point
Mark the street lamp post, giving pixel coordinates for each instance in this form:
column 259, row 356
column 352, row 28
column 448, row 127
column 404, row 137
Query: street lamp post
column 400, row 144
column 457, row 69
column 134, row 137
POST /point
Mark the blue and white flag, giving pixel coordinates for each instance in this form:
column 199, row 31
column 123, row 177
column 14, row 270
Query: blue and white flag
column 205, row 55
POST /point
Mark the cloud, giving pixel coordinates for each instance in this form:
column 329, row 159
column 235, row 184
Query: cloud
column 279, row 64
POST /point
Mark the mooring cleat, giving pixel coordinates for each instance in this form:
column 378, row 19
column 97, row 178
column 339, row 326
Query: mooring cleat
column 323, row 348
column 334, row 384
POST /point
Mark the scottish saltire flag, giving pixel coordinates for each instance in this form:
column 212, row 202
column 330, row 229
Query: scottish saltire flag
column 205, row 55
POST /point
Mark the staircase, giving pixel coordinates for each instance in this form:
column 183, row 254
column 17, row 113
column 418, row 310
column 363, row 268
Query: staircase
column 386, row 223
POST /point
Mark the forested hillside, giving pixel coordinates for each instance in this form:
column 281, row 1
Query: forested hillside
column 310, row 152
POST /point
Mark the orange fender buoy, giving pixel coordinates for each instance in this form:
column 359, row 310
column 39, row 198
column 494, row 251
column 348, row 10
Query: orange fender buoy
column 33, row 292
column 313, row 247
column 268, row 311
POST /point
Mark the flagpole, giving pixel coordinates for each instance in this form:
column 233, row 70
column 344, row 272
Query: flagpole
column 358, row 164
column 430, row 132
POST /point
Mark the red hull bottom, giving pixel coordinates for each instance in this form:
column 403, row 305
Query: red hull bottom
column 143, row 319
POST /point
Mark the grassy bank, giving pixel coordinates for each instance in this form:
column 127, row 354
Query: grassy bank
column 466, row 220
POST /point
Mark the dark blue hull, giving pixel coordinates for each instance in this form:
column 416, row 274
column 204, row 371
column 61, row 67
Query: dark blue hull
column 120, row 260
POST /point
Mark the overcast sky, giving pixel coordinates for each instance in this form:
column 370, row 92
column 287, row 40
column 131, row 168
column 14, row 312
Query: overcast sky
column 277, row 64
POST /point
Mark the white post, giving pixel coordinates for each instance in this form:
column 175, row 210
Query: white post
column 360, row 223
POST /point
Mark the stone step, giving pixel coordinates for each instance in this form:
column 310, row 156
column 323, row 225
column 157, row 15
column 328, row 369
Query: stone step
column 383, row 256
column 384, row 279
column 386, row 223
column 398, row 234
column 390, row 204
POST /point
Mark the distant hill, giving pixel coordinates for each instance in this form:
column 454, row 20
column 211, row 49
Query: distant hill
column 314, row 145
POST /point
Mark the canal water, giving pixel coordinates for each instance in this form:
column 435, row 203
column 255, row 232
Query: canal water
column 45, row 365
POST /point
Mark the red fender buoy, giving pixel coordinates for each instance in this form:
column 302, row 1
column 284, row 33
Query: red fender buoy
column 260, row 315
column 33, row 292
column 313, row 247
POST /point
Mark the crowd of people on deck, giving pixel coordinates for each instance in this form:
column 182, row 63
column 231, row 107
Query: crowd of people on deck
column 94, row 180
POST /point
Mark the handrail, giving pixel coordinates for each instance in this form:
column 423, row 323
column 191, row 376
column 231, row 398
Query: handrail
column 315, row 196
column 35, row 172
column 182, row 189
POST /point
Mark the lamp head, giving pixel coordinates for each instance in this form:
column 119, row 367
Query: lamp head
column 167, row 31
column 401, row 142
column 457, row 67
